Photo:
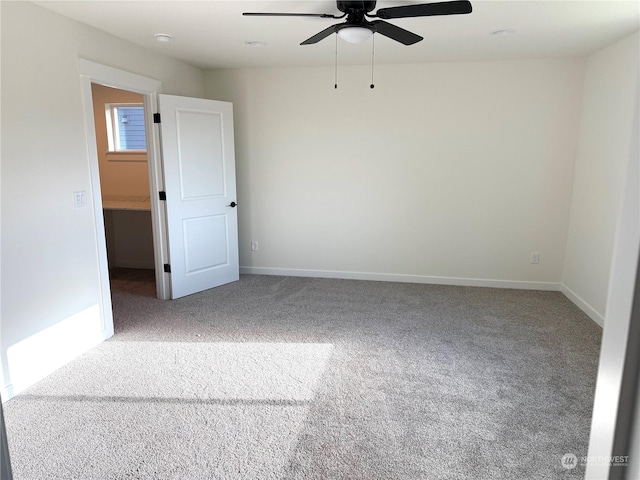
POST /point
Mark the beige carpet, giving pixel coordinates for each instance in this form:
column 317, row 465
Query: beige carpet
column 298, row 378
column 133, row 280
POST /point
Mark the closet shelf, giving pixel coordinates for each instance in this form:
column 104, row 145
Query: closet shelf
column 113, row 202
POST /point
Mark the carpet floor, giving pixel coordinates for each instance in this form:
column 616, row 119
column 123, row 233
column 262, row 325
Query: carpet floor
column 301, row 378
column 133, row 280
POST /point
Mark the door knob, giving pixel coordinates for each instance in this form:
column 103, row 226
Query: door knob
column 232, row 205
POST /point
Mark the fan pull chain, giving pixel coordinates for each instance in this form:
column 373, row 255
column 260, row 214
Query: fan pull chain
column 373, row 50
column 336, row 66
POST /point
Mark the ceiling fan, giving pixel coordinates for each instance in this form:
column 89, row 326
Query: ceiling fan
column 358, row 28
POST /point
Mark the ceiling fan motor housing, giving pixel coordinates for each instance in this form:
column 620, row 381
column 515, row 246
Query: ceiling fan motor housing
column 350, row 6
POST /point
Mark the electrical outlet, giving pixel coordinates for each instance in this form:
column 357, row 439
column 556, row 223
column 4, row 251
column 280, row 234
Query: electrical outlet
column 254, row 246
column 535, row 258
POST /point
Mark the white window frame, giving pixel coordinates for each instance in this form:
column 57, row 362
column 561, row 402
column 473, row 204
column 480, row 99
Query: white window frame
column 113, row 153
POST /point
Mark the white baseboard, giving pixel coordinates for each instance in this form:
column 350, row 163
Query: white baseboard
column 7, row 392
column 39, row 355
column 455, row 281
column 591, row 312
column 72, row 338
column 393, row 277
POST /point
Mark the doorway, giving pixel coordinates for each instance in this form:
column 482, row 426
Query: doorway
column 90, row 73
column 121, row 142
column 198, row 147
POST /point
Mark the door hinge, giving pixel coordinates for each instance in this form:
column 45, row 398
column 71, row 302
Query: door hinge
column 162, row 195
column 167, row 268
column 156, row 118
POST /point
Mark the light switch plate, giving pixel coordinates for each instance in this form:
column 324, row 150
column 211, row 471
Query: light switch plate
column 80, row 199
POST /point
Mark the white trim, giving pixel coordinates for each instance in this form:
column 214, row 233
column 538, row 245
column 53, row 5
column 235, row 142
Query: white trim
column 158, row 208
column 112, row 77
column 591, row 312
column 106, row 312
column 394, row 277
column 7, row 393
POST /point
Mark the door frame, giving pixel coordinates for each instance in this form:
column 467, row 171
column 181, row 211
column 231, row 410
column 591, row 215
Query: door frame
column 91, row 72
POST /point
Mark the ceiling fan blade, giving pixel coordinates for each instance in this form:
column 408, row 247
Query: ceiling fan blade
column 320, row 36
column 426, row 10
column 396, row 33
column 268, row 14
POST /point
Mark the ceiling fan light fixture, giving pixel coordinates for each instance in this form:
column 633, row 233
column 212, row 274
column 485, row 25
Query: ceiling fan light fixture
column 355, row 34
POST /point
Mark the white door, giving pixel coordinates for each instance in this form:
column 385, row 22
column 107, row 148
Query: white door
column 199, row 172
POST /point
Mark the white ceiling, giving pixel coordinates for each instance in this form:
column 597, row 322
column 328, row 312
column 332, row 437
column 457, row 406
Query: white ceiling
column 212, row 33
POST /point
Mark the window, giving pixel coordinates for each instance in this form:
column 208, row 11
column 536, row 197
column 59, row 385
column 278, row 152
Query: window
column 125, row 128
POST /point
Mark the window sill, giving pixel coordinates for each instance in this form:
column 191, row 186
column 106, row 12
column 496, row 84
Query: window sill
column 126, row 156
